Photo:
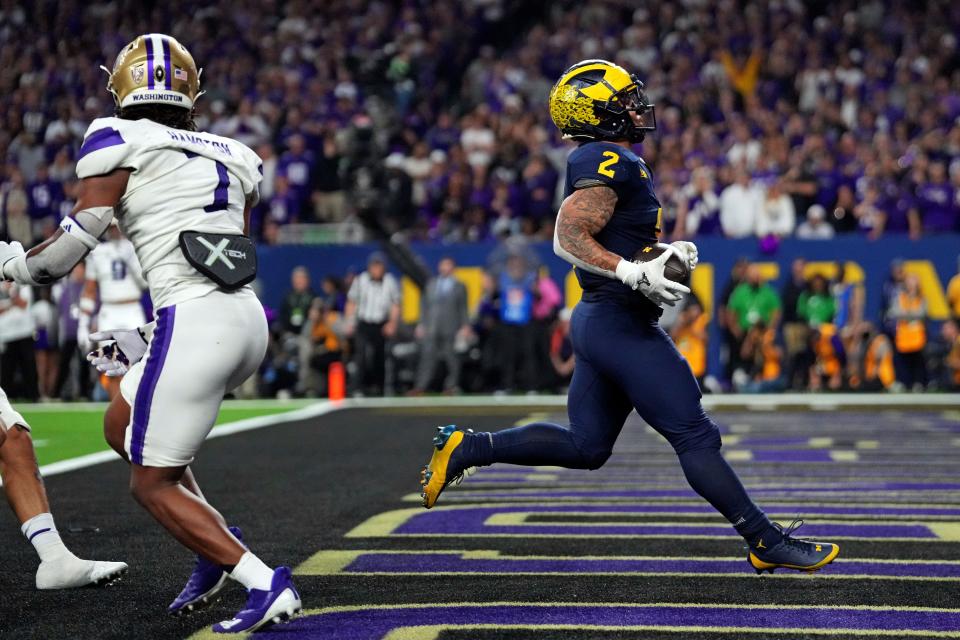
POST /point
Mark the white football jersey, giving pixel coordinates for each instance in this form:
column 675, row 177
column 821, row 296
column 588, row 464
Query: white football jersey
column 113, row 265
column 180, row 180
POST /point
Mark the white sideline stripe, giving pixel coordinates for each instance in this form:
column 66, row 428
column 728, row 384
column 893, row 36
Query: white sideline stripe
column 230, row 428
column 55, row 406
column 89, row 460
column 761, row 402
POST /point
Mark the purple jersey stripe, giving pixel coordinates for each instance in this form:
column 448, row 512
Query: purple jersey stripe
column 159, row 346
column 74, row 221
column 100, row 139
column 150, row 69
column 36, row 533
column 167, row 80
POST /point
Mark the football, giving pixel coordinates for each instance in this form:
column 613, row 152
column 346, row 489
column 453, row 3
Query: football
column 675, row 269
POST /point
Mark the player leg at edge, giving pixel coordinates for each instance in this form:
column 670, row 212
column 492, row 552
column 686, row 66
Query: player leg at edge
column 207, row 578
column 170, row 397
column 173, row 497
column 634, row 365
column 59, row 568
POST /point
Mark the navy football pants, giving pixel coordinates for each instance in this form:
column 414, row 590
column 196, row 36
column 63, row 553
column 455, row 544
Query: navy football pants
column 625, row 362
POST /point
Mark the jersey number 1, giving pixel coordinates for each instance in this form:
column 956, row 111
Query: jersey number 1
column 222, row 190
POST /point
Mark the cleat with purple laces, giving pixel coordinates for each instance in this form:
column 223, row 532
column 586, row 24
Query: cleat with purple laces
column 280, row 604
column 204, row 584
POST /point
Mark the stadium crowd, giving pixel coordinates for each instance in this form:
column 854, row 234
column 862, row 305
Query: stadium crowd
column 774, row 118
column 428, row 120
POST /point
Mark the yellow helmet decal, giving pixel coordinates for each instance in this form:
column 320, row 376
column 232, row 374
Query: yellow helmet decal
column 154, row 69
column 567, row 103
column 570, row 103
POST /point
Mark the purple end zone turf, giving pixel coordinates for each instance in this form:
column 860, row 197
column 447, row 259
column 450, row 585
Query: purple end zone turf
column 374, row 624
column 385, row 562
column 473, row 521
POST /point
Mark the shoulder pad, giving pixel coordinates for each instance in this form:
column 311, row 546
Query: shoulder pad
column 107, row 145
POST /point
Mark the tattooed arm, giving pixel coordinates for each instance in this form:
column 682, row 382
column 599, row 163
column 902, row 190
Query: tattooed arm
column 582, row 215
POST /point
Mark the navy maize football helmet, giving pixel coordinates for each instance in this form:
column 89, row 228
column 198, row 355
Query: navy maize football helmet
column 593, row 100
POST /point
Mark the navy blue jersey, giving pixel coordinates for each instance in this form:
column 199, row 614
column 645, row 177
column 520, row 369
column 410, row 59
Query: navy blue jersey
column 636, row 218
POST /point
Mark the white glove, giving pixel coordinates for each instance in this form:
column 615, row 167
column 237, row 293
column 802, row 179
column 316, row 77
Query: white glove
column 687, row 251
column 115, row 358
column 9, row 251
column 648, row 278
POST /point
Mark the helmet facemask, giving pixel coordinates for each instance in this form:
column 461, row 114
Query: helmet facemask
column 633, row 99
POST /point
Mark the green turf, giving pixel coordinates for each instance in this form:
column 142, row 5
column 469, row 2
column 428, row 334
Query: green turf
column 63, row 433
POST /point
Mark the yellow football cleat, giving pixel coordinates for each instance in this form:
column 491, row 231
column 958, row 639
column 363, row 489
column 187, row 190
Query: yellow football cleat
column 445, row 467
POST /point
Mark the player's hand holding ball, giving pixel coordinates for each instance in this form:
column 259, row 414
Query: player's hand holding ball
column 688, row 253
column 115, row 358
column 655, row 277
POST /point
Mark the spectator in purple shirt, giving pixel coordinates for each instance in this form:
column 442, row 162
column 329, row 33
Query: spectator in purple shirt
column 829, row 181
column 901, row 211
column 296, row 165
column 937, row 202
column 539, row 183
column 44, row 194
column 698, row 210
column 285, row 205
column 444, row 134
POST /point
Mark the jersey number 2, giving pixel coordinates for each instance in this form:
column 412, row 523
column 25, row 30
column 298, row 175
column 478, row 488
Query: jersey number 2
column 604, row 169
column 222, row 190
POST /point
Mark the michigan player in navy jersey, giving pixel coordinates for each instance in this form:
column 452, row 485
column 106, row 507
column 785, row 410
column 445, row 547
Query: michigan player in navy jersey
column 624, row 359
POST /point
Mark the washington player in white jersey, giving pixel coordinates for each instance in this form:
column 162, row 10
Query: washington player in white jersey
column 115, row 277
column 183, row 199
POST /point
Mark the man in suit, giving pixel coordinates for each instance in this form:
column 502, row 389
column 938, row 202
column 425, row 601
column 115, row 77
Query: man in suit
column 443, row 316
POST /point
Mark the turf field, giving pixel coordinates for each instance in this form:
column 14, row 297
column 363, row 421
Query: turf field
column 64, row 431
column 625, row 552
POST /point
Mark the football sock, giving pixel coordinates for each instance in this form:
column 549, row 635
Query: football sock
column 43, row 535
column 710, row 476
column 534, row 444
column 252, row 573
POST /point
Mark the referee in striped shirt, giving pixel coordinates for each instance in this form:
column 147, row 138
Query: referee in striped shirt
column 373, row 308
